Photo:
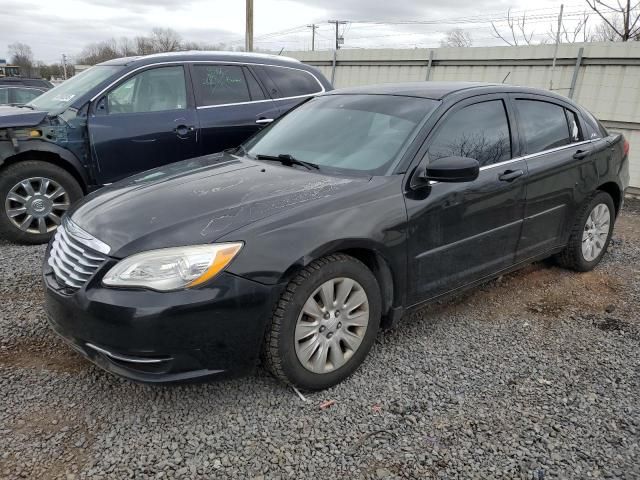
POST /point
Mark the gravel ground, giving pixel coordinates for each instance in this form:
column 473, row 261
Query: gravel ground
column 535, row 375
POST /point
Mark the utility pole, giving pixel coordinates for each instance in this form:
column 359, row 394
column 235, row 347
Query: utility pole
column 555, row 51
column 64, row 65
column 339, row 39
column 313, row 28
column 248, row 39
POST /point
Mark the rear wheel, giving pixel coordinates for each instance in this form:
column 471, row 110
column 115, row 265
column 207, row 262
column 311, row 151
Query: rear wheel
column 34, row 195
column 590, row 235
column 324, row 323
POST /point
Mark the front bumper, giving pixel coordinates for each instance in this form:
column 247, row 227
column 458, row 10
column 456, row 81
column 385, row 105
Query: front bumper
column 164, row 336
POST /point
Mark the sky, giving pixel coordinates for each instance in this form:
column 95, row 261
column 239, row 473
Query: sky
column 66, row 26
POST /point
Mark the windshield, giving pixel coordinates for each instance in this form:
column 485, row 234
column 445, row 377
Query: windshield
column 59, row 98
column 357, row 133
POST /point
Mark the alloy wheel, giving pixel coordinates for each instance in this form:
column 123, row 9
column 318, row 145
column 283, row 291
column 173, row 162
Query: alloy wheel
column 36, row 204
column 331, row 325
column 596, row 231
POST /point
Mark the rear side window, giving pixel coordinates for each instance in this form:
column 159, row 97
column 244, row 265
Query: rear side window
column 479, row 131
column 544, row 125
column 220, row 85
column 292, row 82
column 4, row 96
column 574, row 126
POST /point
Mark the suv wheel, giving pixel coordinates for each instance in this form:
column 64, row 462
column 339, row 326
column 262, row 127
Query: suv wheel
column 33, row 196
column 324, row 323
column 590, row 235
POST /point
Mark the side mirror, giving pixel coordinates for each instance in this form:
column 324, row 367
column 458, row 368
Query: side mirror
column 447, row 169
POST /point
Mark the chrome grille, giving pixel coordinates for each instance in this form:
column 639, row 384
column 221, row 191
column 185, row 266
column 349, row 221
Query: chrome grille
column 73, row 263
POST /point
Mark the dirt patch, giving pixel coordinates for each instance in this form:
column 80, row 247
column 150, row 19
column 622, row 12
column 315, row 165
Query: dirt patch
column 42, row 356
column 627, row 227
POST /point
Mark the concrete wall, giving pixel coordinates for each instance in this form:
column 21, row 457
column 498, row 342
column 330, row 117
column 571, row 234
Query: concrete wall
column 607, row 81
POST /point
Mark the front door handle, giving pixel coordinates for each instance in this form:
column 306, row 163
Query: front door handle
column 511, row 175
column 264, row 121
column 580, row 154
column 184, row 129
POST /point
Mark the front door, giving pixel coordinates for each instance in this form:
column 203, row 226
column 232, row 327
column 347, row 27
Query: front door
column 462, row 232
column 145, row 121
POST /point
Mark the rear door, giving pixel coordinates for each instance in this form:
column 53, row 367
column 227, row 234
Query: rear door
column 288, row 86
column 555, row 151
column 462, row 232
column 147, row 120
column 231, row 103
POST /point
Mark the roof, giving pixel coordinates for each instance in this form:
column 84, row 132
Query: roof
column 439, row 90
column 204, row 55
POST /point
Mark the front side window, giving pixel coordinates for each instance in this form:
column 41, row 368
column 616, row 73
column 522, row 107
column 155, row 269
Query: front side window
column 352, row 133
column 543, row 125
column 221, row 85
column 479, row 131
column 154, row 90
column 292, row 82
column 59, row 98
column 24, row 95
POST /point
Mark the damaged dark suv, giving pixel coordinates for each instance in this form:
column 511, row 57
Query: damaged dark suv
column 128, row 115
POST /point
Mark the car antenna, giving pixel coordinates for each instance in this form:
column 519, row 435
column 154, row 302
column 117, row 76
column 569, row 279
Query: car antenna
column 280, row 52
column 506, row 76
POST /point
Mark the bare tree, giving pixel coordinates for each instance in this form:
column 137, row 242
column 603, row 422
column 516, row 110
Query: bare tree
column 621, row 19
column 165, row 40
column 518, row 31
column 578, row 33
column 602, row 32
column 457, row 38
column 22, row 56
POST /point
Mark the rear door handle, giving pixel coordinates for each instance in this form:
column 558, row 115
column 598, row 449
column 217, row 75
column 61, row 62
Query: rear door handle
column 581, row 154
column 264, row 121
column 511, row 175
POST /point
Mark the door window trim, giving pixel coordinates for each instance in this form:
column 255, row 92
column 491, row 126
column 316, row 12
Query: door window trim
column 218, row 62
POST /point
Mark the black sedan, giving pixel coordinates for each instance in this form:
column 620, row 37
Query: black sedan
column 338, row 218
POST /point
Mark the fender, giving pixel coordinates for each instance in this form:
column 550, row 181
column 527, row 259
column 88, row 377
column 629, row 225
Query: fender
column 7, row 151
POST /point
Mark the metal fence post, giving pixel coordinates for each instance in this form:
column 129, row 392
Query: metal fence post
column 429, row 65
column 574, row 78
column 333, row 68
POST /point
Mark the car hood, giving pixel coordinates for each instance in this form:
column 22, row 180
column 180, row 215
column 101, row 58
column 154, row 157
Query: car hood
column 197, row 201
column 20, row 117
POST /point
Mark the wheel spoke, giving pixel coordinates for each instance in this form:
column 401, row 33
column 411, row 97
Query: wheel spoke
column 60, row 206
column 308, row 349
column 336, row 357
column 42, row 225
column 357, row 298
column 26, row 223
column 26, row 184
column 359, row 319
column 306, row 329
column 327, row 294
column 351, row 340
column 44, row 186
column 54, row 218
column 14, row 197
column 345, row 286
column 320, row 358
column 312, row 309
column 14, row 212
column 58, row 192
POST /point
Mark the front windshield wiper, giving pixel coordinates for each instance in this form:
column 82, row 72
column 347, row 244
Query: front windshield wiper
column 287, row 159
column 26, row 106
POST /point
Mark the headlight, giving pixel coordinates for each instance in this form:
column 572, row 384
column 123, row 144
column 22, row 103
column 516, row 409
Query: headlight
column 172, row 268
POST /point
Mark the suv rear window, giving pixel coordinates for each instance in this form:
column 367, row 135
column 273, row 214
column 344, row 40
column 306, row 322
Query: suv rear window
column 292, row 82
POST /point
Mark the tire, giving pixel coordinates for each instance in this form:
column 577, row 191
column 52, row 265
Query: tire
column 283, row 338
column 52, row 191
column 573, row 256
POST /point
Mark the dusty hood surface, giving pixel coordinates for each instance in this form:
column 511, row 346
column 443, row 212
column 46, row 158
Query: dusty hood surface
column 197, row 201
column 20, row 117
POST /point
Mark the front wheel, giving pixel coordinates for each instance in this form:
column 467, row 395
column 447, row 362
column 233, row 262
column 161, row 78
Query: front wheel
column 33, row 196
column 324, row 323
column 590, row 235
